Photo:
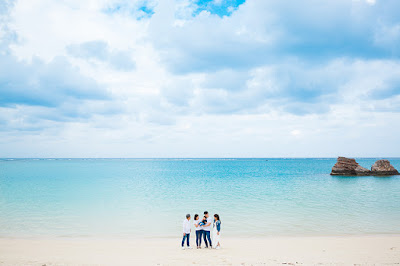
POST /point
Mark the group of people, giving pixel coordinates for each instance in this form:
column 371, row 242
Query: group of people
column 203, row 230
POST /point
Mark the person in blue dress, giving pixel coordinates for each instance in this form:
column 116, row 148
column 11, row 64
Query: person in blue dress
column 216, row 232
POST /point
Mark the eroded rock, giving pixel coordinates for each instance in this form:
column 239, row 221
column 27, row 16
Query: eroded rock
column 383, row 167
column 348, row 166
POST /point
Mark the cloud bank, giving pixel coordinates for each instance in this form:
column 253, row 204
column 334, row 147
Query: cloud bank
column 186, row 78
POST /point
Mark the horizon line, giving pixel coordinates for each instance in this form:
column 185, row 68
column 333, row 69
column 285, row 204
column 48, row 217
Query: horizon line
column 195, row 158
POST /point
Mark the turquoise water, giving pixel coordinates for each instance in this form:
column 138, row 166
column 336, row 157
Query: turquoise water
column 150, row 197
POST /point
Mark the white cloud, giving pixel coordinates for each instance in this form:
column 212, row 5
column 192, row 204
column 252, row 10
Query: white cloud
column 295, row 132
column 371, row 2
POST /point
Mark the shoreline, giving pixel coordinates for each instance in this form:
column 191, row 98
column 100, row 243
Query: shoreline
column 273, row 250
column 271, row 236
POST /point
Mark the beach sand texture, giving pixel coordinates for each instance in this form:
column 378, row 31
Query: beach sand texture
column 329, row 250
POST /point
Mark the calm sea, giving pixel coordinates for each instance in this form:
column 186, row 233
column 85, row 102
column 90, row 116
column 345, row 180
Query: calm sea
column 150, row 197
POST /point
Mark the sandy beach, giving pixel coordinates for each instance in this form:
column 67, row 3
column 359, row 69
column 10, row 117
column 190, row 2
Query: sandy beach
column 329, row 250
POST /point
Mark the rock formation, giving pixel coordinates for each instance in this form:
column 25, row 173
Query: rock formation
column 383, row 167
column 347, row 166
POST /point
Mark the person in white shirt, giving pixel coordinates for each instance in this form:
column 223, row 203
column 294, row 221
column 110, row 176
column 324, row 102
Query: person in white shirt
column 199, row 230
column 186, row 231
column 207, row 229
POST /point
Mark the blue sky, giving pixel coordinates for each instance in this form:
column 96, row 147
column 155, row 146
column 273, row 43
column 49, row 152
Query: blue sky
column 187, row 78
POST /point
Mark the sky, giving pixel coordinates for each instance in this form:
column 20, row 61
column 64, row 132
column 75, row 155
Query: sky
column 191, row 78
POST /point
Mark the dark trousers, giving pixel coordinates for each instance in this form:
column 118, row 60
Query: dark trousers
column 186, row 236
column 207, row 236
column 199, row 234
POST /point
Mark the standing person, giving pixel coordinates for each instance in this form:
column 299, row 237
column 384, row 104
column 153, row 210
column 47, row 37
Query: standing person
column 216, row 232
column 186, row 232
column 207, row 229
column 199, row 230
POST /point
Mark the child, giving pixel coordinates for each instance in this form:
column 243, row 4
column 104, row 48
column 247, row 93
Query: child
column 204, row 221
column 186, row 231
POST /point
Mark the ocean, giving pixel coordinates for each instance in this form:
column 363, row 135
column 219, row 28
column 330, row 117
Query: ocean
column 138, row 198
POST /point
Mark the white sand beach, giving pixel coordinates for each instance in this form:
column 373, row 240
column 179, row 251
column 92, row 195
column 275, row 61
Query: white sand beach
column 329, row 250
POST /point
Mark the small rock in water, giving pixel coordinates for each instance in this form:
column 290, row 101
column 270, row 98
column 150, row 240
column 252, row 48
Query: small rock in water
column 348, row 166
column 383, row 167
